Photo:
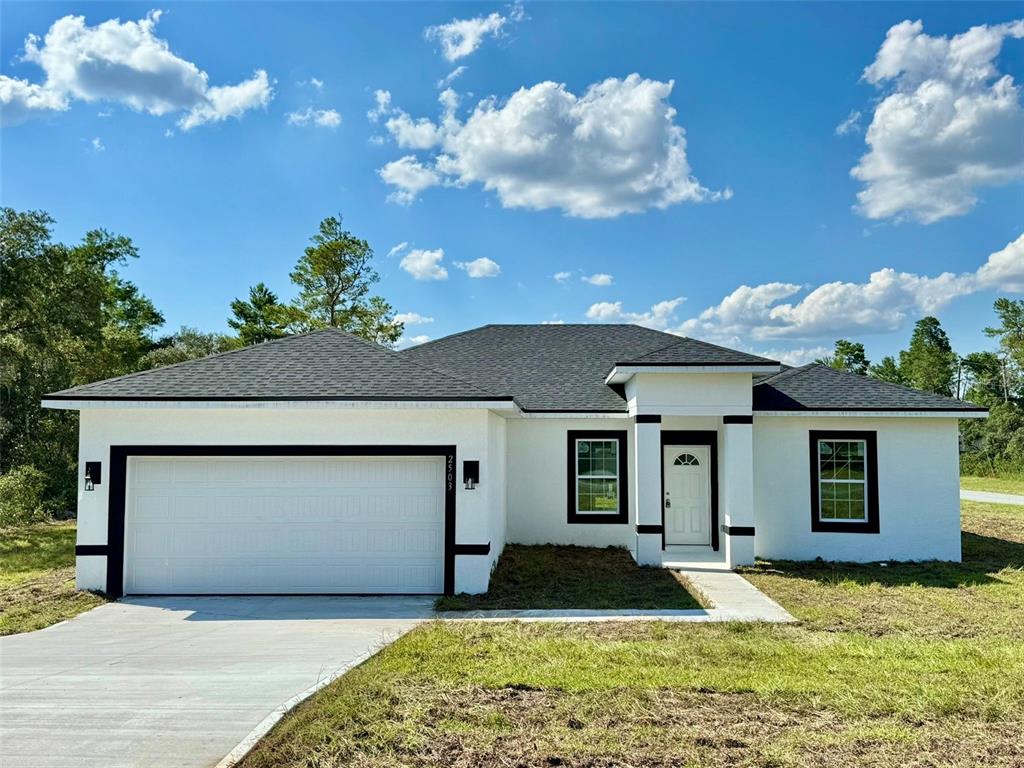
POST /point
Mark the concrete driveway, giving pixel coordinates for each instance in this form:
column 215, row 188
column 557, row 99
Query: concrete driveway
column 177, row 681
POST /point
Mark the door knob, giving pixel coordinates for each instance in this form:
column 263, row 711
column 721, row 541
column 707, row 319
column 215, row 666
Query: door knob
column 668, row 503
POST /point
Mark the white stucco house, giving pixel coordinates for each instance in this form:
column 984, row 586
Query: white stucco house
column 322, row 463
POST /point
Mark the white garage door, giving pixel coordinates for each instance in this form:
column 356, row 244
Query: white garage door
column 284, row 525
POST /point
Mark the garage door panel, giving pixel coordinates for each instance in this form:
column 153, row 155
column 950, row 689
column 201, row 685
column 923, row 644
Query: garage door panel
column 209, row 525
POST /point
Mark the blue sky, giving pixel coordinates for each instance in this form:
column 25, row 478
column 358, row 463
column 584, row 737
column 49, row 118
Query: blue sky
column 683, row 151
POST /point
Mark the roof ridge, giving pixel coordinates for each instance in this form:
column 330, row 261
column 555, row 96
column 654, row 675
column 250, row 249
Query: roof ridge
column 894, row 384
column 225, row 353
column 785, row 373
column 475, row 385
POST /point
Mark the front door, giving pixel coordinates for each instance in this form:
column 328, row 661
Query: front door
column 687, row 499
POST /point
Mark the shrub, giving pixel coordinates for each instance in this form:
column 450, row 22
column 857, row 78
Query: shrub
column 21, row 496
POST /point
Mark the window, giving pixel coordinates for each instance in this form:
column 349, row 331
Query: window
column 844, row 479
column 686, row 460
column 597, row 477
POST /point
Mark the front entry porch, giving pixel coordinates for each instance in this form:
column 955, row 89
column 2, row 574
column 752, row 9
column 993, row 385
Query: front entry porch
column 693, row 494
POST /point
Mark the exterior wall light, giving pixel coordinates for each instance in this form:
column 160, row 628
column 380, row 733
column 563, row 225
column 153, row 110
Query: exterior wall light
column 471, row 474
column 93, row 474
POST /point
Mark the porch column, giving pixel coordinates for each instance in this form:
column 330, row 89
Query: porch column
column 737, row 489
column 647, row 484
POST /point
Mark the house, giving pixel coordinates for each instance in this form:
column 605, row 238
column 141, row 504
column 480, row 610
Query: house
column 323, row 463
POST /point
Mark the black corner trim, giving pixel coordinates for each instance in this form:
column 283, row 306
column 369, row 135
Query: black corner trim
column 871, row 525
column 747, row 419
column 90, row 549
column 119, row 474
column 473, row 549
column 658, row 529
column 648, row 418
column 738, row 530
column 573, row 516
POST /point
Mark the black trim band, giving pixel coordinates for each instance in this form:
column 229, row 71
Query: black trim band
column 748, row 419
column 473, row 549
column 119, row 475
column 658, row 529
column 648, row 418
column 737, row 530
column 622, row 516
column 90, row 549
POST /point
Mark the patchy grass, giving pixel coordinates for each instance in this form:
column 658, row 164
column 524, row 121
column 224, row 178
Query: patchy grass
column 994, row 484
column 573, row 577
column 37, row 577
column 876, row 674
column 981, row 597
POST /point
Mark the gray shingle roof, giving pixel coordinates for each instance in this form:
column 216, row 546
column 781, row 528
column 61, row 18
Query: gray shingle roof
column 562, row 367
column 323, row 365
column 687, row 351
column 816, row 387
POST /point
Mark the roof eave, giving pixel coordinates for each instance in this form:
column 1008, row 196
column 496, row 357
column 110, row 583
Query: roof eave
column 622, row 372
column 85, row 402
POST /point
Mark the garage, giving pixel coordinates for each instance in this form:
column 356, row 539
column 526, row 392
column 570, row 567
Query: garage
column 284, row 524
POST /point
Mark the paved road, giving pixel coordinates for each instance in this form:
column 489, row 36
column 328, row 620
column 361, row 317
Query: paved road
column 176, row 681
column 992, row 498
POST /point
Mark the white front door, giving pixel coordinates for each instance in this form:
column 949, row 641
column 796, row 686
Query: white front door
column 687, row 494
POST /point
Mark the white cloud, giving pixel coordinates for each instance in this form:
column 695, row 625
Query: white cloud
column 948, row 124
column 413, row 318
column 797, row 356
column 425, row 265
column 396, row 249
column 413, row 134
column 561, row 277
column 412, row 341
column 409, row 176
column 97, row 144
column 660, row 316
column 884, row 303
column 482, row 267
column 382, row 105
column 124, row 63
column 460, row 37
column 615, row 149
column 552, row 322
column 448, row 79
column 324, row 118
column 850, row 125
column 1004, row 270
column 316, row 82
column 598, row 278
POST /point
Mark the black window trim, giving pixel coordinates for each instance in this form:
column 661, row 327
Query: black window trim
column 870, row 438
column 590, row 518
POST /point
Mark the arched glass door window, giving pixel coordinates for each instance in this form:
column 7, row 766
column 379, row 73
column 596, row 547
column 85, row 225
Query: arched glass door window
column 686, row 460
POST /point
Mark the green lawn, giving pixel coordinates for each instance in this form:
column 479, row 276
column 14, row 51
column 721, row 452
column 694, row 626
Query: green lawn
column 905, row 665
column 993, row 484
column 37, row 577
column 574, row 577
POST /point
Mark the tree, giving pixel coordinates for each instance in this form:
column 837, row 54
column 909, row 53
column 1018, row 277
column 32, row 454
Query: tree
column 66, row 317
column 334, row 277
column 376, row 322
column 983, row 378
column 187, row 344
column 848, row 356
column 1010, row 333
column 929, row 363
column 887, row 369
column 262, row 317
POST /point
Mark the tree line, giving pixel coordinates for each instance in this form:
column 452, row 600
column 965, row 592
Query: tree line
column 991, row 378
column 68, row 317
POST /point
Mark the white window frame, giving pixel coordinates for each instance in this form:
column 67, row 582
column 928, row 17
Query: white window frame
column 864, row 482
column 615, row 477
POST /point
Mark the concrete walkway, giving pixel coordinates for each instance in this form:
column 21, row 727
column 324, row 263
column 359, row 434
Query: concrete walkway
column 177, row 681
column 992, row 498
column 729, row 595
